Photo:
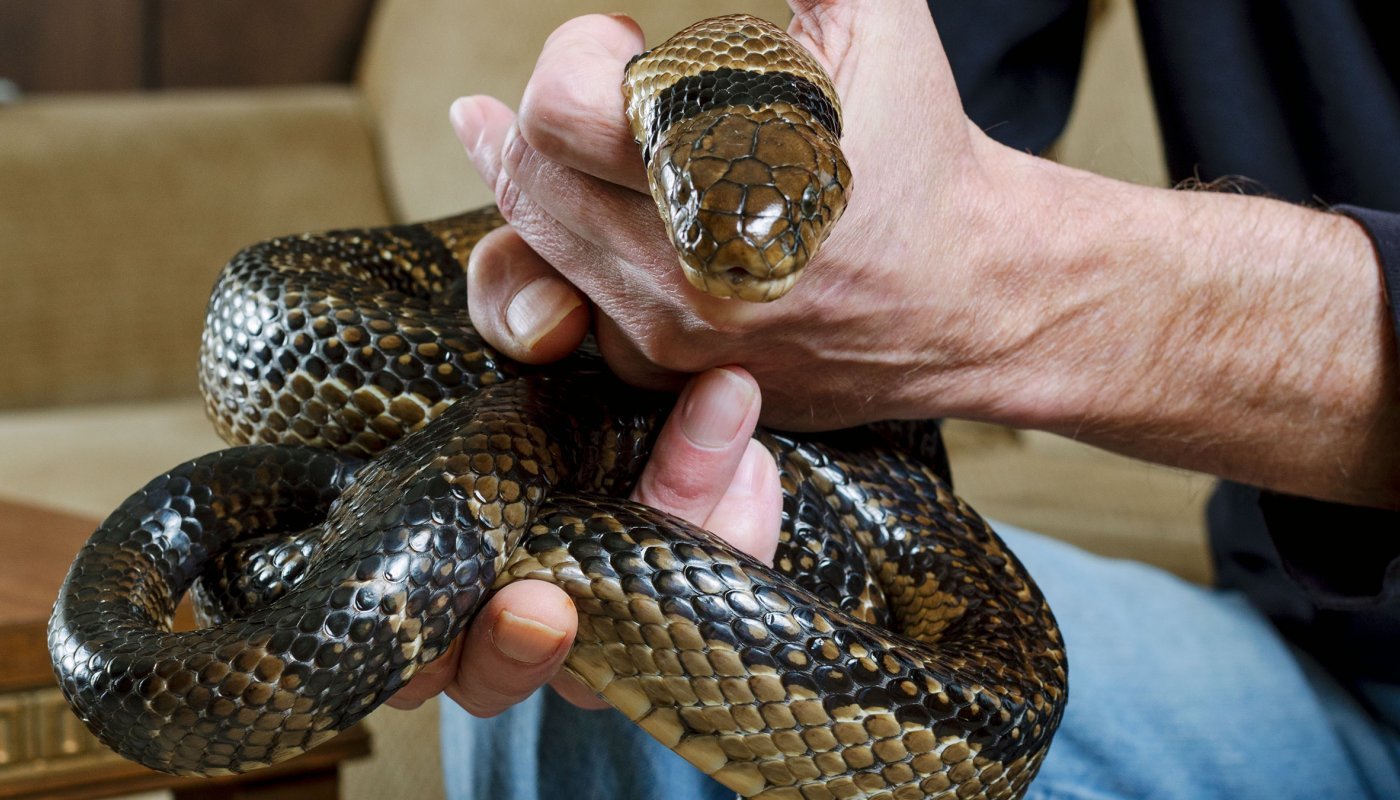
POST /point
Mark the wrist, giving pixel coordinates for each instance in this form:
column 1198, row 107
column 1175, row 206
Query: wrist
column 1038, row 261
column 1236, row 335
column 1086, row 307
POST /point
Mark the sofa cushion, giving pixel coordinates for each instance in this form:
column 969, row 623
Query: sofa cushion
column 87, row 459
column 118, row 211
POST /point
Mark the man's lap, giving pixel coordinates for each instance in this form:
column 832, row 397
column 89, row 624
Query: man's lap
column 1176, row 691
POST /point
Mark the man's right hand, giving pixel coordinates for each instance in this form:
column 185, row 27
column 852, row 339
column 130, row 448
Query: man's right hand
column 705, row 469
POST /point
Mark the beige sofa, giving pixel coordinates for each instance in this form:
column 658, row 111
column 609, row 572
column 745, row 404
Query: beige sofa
column 116, row 212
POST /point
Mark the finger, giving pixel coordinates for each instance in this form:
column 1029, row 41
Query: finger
column 830, row 29
column 481, row 123
column 750, row 512
column 486, row 129
column 516, row 644
column 601, row 237
column 616, row 221
column 572, row 108
column 429, row 681
column 573, row 690
column 701, row 445
column 520, row 304
column 860, row 42
column 629, row 363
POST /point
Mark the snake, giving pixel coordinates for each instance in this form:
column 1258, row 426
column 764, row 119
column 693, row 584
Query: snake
column 390, row 470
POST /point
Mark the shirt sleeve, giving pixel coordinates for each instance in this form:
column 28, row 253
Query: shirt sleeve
column 1384, row 230
column 1361, row 570
column 1016, row 63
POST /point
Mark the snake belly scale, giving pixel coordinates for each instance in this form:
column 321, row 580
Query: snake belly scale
column 394, row 470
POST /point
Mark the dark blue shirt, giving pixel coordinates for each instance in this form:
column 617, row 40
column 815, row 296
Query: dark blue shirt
column 1303, row 100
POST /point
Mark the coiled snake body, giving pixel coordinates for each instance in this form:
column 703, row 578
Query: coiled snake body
column 897, row 650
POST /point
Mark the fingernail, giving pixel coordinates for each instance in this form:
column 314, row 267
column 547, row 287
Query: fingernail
column 466, row 121
column 715, row 408
column 525, row 640
column 538, row 308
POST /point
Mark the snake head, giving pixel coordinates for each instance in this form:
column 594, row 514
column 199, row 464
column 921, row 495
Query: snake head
column 740, row 131
column 748, row 198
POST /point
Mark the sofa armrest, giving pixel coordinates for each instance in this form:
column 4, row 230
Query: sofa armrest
column 116, row 213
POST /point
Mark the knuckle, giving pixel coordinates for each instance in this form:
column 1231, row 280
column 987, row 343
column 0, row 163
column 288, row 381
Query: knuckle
column 404, row 701
column 671, row 352
column 486, row 701
column 655, row 338
column 654, row 348
column 672, row 491
column 478, row 709
column 547, row 119
column 633, row 372
column 520, row 161
column 508, row 196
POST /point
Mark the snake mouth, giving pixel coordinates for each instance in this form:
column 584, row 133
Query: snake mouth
column 749, row 283
column 755, row 257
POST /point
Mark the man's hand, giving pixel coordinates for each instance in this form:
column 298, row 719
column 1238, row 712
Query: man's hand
column 706, row 469
column 1234, row 335
column 837, row 350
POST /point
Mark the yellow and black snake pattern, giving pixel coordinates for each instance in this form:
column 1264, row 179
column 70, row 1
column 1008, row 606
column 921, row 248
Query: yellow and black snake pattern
column 400, row 470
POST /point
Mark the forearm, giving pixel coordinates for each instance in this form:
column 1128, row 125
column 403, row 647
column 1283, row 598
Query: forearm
column 1235, row 335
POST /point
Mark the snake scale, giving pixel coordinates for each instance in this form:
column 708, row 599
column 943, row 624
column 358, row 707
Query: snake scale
column 401, row 470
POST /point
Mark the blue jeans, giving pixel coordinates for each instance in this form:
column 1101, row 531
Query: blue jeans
column 1176, row 691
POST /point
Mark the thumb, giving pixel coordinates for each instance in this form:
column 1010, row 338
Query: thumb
column 880, row 53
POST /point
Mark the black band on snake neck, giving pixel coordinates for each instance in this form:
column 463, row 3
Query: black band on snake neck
column 726, row 87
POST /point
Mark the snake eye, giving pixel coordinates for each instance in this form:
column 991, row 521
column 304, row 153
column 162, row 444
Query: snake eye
column 809, row 201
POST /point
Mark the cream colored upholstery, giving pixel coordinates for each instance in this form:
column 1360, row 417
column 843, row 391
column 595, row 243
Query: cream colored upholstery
column 116, row 212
